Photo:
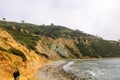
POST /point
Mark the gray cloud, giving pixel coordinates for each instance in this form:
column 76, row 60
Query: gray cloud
column 97, row 17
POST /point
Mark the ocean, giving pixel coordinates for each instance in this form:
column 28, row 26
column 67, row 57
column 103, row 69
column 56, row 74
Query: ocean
column 92, row 69
column 99, row 69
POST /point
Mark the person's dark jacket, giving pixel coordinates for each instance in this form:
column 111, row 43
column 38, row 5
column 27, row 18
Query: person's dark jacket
column 15, row 74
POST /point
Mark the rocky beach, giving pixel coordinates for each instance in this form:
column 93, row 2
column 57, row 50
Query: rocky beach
column 94, row 69
column 60, row 71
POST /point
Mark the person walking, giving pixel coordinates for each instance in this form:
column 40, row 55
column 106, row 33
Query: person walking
column 16, row 74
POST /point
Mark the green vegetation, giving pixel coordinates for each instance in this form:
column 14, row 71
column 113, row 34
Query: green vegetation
column 2, row 49
column 105, row 48
column 28, row 34
column 73, row 52
column 24, row 38
column 18, row 53
column 35, row 31
column 86, row 50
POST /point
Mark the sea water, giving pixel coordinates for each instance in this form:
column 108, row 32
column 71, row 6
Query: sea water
column 99, row 69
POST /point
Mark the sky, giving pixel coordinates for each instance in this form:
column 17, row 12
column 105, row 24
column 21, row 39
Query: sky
column 97, row 17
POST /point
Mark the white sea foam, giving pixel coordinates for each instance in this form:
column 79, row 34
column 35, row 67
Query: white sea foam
column 93, row 74
column 68, row 65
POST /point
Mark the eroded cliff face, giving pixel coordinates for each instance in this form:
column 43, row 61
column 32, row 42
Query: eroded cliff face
column 56, row 49
column 49, row 48
column 9, row 61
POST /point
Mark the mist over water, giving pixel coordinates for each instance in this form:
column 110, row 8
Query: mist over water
column 103, row 69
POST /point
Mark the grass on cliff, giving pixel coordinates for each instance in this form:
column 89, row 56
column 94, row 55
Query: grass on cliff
column 97, row 46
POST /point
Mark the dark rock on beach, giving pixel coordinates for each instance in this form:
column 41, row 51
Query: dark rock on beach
column 58, row 71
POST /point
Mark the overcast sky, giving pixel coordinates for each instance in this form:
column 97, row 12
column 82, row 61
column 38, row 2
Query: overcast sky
column 97, row 17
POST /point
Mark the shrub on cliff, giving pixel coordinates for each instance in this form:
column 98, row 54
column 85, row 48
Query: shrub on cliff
column 2, row 49
column 18, row 53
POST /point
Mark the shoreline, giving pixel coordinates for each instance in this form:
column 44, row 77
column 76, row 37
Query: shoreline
column 53, row 71
column 59, row 71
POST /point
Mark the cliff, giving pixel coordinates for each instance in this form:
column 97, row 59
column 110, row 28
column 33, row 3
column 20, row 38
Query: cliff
column 9, row 60
column 28, row 46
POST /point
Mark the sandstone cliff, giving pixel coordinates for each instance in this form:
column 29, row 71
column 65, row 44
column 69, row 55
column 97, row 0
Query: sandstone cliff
column 9, row 61
column 28, row 47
